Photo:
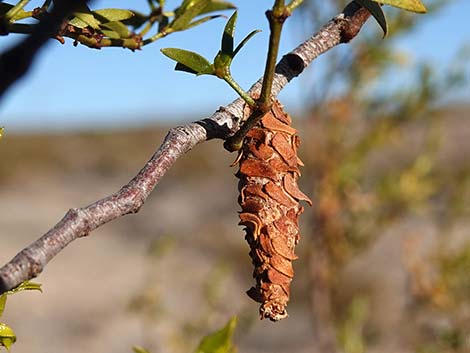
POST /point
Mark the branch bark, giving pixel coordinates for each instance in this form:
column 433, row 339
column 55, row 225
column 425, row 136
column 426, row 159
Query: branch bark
column 79, row 222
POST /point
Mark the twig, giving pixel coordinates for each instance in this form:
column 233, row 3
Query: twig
column 15, row 62
column 276, row 18
column 79, row 222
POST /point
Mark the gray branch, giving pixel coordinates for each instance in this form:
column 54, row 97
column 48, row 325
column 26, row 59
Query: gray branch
column 79, row 222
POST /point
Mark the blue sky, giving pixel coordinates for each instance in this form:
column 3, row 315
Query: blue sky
column 76, row 87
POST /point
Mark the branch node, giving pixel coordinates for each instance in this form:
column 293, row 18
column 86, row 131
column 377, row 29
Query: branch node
column 295, row 63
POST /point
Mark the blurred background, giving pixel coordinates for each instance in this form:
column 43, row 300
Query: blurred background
column 385, row 252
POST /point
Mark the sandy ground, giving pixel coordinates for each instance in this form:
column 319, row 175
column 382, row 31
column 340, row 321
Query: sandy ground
column 145, row 279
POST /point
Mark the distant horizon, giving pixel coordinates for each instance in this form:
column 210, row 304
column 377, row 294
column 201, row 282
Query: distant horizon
column 78, row 126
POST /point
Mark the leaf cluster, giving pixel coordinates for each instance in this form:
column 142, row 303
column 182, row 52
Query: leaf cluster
column 7, row 335
column 116, row 26
column 197, row 64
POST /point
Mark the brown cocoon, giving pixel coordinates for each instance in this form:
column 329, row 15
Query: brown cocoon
column 269, row 198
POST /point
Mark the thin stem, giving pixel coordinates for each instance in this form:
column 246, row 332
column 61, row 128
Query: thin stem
column 129, row 43
column 293, row 5
column 91, row 42
column 147, row 28
column 155, row 37
column 278, row 5
column 235, row 142
column 245, row 96
column 10, row 15
column 276, row 18
column 151, row 4
column 26, row 14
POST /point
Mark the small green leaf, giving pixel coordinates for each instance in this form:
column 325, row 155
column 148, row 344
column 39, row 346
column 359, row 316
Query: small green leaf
column 26, row 285
column 186, row 13
column 202, row 20
column 376, row 11
column 184, row 5
column 110, row 33
column 222, row 64
column 227, row 37
column 410, row 5
column 13, row 13
column 138, row 349
column 216, row 5
column 244, row 41
column 189, row 60
column 3, row 301
column 137, row 20
column 76, row 22
column 182, row 67
column 2, row 130
column 118, row 28
column 87, row 18
column 111, row 15
column 7, row 336
column 219, row 341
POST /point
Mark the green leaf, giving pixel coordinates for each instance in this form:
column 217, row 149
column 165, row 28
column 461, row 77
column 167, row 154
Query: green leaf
column 118, row 28
column 137, row 20
column 3, row 301
column 76, row 22
column 186, row 13
column 227, row 37
column 138, row 349
column 111, row 15
column 244, row 41
column 7, row 336
column 376, row 11
column 184, row 5
column 410, row 5
column 219, row 341
column 222, row 64
column 26, row 285
column 87, row 18
column 13, row 13
column 2, row 130
column 182, row 67
column 189, row 61
column 202, row 20
column 216, row 5
column 110, row 33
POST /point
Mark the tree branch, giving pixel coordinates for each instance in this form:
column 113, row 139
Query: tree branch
column 222, row 124
column 15, row 62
